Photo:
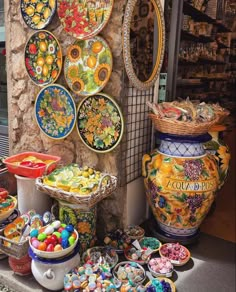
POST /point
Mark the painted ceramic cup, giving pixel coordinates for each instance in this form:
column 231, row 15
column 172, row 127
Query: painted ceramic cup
column 180, row 180
column 217, row 147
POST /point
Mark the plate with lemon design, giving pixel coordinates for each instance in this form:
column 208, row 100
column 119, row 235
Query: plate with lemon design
column 37, row 14
column 43, row 58
column 88, row 66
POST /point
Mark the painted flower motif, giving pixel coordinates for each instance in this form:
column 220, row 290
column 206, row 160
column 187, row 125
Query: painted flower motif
column 84, row 227
column 77, row 85
column 102, row 74
column 225, row 157
column 73, row 72
column 38, row 69
column 51, row 49
column 74, row 53
column 162, row 202
column 193, row 169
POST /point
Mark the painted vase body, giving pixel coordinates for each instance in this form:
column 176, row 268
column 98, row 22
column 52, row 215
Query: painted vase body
column 217, row 147
column 84, row 220
column 180, row 180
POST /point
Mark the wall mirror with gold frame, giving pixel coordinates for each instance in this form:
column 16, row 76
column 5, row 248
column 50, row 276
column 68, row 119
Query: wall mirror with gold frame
column 143, row 41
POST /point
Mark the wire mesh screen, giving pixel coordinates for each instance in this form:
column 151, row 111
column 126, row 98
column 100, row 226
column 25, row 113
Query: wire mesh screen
column 138, row 131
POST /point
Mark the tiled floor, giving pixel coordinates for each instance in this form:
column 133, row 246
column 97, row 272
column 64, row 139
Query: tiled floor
column 221, row 222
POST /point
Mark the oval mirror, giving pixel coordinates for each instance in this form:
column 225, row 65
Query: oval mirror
column 143, row 41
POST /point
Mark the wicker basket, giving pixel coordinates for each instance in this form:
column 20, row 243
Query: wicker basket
column 169, row 126
column 75, row 198
column 12, row 248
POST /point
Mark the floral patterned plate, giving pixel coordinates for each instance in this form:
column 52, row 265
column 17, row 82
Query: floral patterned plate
column 88, row 66
column 37, row 14
column 84, row 19
column 43, row 58
column 100, row 123
column 55, row 111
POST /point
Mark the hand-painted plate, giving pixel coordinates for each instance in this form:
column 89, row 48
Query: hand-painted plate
column 88, row 66
column 55, row 111
column 43, row 58
column 100, row 123
column 37, row 14
column 84, row 19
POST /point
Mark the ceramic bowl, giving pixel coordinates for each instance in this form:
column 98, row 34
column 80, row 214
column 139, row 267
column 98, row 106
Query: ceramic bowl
column 150, row 242
column 55, row 254
column 158, row 263
column 97, row 253
column 172, row 285
column 131, row 256
column 128, row 265
column 134, row 232
column 6, row 212
column 167, row 249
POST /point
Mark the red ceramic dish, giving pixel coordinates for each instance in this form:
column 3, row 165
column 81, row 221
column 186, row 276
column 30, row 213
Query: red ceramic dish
column 32, row 170
column 178, row 254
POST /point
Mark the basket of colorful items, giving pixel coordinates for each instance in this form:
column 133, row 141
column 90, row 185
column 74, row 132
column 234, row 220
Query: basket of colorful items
column 160, row 284
column 77, row 185
column 186, row 117
column 178, row 254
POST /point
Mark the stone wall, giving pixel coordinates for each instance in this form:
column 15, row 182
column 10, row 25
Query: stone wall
column 25, row 135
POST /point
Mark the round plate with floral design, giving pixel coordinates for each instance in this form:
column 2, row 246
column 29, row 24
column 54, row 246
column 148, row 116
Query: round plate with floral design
column 88, row 66
column 37, row 14
column 55, row 111
column 84, row 19
column 43, row 58
column 100, row 123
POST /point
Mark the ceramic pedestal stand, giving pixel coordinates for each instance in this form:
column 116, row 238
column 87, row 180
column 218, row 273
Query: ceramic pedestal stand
column 181, row 180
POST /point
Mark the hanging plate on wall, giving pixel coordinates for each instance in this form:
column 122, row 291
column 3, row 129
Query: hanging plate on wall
column 43, row 58
column 37, row 14
column 84, row 19
column 88, row 66
column 55, row 111
column 100, row 123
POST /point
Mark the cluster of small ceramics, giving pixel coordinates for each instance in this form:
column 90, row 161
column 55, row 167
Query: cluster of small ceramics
column 175, row 252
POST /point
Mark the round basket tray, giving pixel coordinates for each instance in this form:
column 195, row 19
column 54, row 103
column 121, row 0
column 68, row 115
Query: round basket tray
column 89, row 200
column 169, row 126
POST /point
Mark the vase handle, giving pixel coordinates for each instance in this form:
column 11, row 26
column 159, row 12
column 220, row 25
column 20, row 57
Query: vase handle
column 145, row 161
column 49, row 275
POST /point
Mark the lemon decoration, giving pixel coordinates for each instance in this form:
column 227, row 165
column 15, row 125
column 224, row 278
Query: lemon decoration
column 45, row 70
column 42, row 46
column 46, row 12
column 49, row 59
column 40, row 61
column 97, row 47
column 39, row 7
column 91, row 61
column 30, row 10
column 36, row 19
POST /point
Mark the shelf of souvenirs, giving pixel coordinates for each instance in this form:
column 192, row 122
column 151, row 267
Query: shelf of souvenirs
column 188, row 36
column 201, row 80
column 200, row 61
column 199, row 15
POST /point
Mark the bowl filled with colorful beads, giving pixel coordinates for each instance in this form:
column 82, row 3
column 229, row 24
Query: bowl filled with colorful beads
column 160, row 267
column 54, row 240
column 91, row 277
column 117, row 239
column 150, row 242
column 129, row 272
column 160, row 284
column 178, row 254
column 134, row 232
column 101, row 255
column 137, row 255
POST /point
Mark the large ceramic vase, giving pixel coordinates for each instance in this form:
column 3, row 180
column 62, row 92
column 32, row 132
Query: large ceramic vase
column 181, row 180
column 217, row 147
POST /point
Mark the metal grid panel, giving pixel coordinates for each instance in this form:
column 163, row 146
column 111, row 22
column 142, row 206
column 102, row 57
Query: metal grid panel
column 138, row 131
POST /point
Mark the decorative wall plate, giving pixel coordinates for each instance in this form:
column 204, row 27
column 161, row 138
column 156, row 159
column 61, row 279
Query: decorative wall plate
column 100, row 123
column 43, row 58
column 37, row 14
column 88, row 66
column 84, row 19
column 55, row 111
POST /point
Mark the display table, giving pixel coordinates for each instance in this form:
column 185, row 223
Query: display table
column 211, row 268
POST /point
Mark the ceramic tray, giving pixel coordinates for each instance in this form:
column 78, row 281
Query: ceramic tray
column 100, row 123
column 43, row 58
column 84, row 19
column 37, row 14
column 88, row 66
column 55, row 111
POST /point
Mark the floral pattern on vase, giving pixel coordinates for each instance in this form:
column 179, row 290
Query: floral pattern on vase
column 220, row 150
column 180, row 189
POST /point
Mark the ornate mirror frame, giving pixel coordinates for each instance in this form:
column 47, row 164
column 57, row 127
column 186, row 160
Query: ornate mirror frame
column 143, row 85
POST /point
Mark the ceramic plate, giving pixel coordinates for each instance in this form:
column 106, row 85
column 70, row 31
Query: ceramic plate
column 37, row 14
column 43, row 58
column 55, row 111
column 84, row 19
column 100, row 123
column 88, row 66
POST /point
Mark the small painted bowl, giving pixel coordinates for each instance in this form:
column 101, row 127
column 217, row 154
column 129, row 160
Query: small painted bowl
column 160, row 267
column 178, row 254
column 161, row 280
column 136, row 255
column 5, row 212
column 134, row 232
column 150, row 242
column 129, row 272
